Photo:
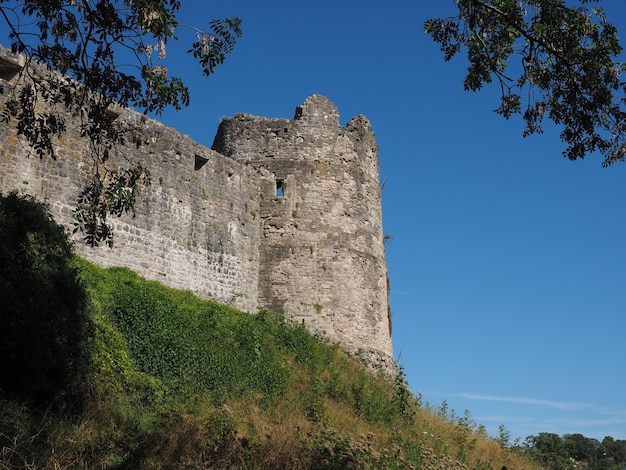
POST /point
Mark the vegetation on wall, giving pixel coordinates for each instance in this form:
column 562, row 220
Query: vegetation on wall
column 181, row 382
column 173, row 381
column 104, row 369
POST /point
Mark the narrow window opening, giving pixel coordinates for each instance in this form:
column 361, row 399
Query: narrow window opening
column 111, row 114
column 280, row 188
column 199, row 162
column 8, row 69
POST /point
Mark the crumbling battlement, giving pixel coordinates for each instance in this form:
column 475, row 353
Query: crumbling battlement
column 282, row 214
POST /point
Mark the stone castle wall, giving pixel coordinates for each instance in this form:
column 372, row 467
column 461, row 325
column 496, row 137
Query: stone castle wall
column 193, row 229
column 322, row 240
column 281, row 214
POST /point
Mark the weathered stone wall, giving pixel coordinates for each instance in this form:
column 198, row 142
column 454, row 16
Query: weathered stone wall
column 322, row 252
column 283, row 214
column 195, row 226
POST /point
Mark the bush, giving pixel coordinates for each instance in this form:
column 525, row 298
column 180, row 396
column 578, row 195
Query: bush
column 43, row 322
column 191, row 344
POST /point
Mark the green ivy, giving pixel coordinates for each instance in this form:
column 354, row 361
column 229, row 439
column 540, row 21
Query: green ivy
column 189, row 343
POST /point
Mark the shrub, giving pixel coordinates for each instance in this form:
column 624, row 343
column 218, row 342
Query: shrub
column 43, row 324
column 191, row 344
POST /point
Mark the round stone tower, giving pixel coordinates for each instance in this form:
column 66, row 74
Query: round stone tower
column 322, row 257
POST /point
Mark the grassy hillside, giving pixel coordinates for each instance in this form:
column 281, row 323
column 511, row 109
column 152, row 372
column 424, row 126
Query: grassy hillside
column 178, row 382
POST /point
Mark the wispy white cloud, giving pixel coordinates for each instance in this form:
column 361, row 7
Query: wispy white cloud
column 567, row 406
column 588, row 419
column 616, row 413
column 573, row 423
column 559, row 417
column 523, row 426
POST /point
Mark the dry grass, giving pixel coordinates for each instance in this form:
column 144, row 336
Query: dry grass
column 246, row 433
column 322, row 410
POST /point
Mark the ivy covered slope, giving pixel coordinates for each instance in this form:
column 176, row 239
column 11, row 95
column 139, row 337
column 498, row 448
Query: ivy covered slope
column 150, row 377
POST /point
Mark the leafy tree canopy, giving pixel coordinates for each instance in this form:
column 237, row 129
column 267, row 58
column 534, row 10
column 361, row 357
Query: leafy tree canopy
column 569, row 451
column 108, row 52
column 551, row 59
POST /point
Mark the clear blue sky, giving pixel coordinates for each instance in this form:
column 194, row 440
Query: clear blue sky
column 507, row 262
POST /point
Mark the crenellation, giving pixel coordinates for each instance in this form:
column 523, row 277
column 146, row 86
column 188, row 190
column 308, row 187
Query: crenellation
column 282, row 214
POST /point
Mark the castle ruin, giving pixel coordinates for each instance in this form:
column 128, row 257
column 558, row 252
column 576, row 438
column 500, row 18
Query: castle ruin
column 283, row 214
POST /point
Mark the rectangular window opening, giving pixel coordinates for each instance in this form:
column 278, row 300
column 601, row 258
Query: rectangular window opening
column 8, row 69
column 199, row 162
column 280, row 188
column 111, row 114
